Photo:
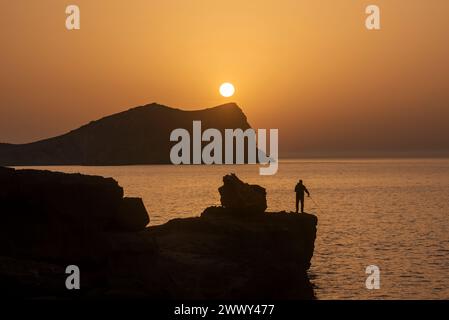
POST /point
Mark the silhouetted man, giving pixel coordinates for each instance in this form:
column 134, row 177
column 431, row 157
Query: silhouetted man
column 300, row 189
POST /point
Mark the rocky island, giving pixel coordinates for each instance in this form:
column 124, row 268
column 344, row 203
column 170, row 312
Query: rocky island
column 140, row 135
column 51, row 220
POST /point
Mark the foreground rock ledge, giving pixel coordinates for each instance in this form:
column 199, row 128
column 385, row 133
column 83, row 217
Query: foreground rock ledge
column 218, row 256
column 51, row 220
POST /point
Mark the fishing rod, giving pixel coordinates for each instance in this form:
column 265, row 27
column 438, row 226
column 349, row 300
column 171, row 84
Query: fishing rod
column 319, row 208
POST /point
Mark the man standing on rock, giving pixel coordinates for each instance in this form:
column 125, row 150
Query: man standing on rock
column 300, row 189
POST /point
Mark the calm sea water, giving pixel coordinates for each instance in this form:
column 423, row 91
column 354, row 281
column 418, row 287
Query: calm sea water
column 389, row 213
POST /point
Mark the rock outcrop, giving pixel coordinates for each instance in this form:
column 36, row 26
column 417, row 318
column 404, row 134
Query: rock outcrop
column 218, row 256
column 52, row 220
column 58, row 216
column 237, row 196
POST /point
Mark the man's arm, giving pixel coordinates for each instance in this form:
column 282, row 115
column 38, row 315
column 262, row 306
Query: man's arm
column 307, row 191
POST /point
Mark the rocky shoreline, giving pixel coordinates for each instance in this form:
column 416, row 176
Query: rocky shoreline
column 237, row 251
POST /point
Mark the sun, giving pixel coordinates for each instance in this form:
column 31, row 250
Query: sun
column 227, row 90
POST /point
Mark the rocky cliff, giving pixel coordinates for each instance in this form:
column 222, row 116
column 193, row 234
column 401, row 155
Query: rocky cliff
column 52, row 220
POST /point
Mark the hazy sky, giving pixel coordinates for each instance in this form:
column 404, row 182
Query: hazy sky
column 309, row 68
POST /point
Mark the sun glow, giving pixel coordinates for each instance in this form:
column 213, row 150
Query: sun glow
column 227, row 90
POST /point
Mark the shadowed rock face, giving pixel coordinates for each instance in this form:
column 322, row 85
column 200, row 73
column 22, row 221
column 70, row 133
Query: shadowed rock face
column 52, row 220
column 58, row 216
column 219, row 256
column 42, row 196
column 138, row 136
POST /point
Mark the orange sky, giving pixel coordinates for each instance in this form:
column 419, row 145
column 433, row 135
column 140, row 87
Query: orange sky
column 309, row 68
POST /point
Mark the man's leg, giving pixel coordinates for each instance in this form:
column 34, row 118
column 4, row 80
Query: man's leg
column 302, row 205
column 297, row 203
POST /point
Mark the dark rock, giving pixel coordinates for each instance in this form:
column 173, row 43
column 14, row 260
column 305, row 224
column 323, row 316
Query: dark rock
column 51, row 220
column 238, row 196
column 43, row 196
column 132, row 215
column 27, row 278
column 232, row 253
column 58, row 216
column 219, row 257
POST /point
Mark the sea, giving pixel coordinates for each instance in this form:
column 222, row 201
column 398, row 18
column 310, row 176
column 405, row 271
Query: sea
column 389, row 213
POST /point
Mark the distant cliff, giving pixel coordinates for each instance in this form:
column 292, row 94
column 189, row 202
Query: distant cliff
column 138, row 136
